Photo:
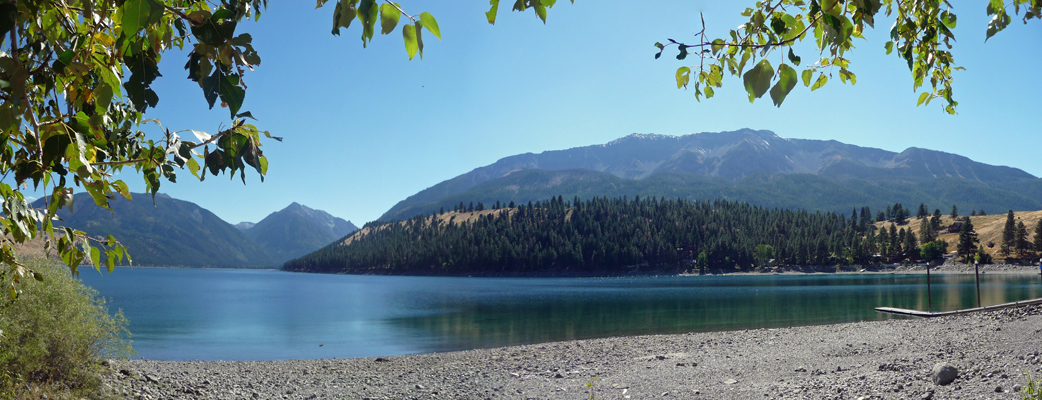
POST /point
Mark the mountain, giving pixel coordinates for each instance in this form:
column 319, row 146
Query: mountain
column 169, row 233
column 746, row 165
column 297, row 230
column 242, row 226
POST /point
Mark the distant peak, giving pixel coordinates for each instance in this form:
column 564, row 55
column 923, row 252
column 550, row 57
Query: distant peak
column 632, row 136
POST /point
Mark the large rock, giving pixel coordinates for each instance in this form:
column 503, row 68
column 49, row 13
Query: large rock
column 944, row 373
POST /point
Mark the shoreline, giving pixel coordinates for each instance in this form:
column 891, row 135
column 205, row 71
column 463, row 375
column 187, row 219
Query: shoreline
column 889, row 359
column 946, row 268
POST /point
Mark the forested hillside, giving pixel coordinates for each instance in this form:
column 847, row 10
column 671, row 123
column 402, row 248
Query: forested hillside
column 611, row 236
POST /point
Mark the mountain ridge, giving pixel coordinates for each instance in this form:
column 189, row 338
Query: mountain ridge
column 728, row 158
column 179, row 233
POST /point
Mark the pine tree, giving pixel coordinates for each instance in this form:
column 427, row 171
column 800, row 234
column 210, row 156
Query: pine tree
column 955, row 212
column 967, row 241
column 1038, row 236
column 900, row 214
column 935, row 220
column 894, row 247
column 911, row 245
column 922, row 213
column 1008, row 235
column 1021, row 239
column 926, row 232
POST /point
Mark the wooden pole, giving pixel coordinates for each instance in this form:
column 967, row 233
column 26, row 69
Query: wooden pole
column 929, row 299
column 976, row 273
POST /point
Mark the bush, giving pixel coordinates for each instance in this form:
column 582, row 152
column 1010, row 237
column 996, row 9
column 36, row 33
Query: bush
column 55, row 335
column 1033, row 391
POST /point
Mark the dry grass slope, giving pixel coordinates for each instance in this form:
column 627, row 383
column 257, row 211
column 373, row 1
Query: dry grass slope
column 989, row 228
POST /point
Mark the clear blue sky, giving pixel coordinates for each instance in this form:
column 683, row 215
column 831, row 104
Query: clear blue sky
column 365, row 128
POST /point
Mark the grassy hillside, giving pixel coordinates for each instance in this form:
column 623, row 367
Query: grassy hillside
column 989, row 229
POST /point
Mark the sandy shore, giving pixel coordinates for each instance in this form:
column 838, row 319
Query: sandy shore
column 889, row 359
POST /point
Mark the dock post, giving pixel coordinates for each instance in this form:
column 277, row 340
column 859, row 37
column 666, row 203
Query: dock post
column 976, row 274
column 929, row 299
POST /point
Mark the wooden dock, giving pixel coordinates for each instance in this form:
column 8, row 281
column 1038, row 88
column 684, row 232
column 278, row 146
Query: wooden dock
column 927, row 314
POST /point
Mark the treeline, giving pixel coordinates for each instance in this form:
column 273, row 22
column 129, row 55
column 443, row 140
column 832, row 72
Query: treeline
column 612, row 236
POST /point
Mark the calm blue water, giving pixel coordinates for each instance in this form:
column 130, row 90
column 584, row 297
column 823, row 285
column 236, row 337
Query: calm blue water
column 212, row 314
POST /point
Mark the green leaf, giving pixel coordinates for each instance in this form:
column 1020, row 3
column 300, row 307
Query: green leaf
column 949, row 19
column 491, row 14
column 409, row 34
column 794, row 58
column 758, row 80
column 683, row 76
column 110, row 261
column 431, row 24
column 717, row 45
column 95, row 257
column 102, row 98
column 822, row 80
column 709, row 92
column 889, row 47
column 786, row 81
column 922, row 98
column 193, row 166
column 832, row 7
column 389, row 16
column 998, row 23
column 122, row 189
column 367, row 12
column 231, row 93
column 807, row 75
column 135, row 16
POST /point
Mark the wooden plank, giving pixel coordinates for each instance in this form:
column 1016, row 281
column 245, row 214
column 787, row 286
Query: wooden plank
column 927, row 314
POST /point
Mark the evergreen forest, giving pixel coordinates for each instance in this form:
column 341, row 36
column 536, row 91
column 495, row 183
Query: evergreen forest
column 603, row 236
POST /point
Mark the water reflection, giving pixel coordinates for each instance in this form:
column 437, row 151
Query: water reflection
column 529, row 312
column 179, row 314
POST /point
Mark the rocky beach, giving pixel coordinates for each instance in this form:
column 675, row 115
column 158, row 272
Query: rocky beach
column 993, row 354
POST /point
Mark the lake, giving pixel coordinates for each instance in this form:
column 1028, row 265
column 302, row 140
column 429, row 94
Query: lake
column 214, row 314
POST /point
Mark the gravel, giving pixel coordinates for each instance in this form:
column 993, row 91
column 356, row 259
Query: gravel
column 890, row 359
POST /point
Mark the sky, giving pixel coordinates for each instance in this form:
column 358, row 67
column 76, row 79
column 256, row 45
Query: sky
column 366, row 127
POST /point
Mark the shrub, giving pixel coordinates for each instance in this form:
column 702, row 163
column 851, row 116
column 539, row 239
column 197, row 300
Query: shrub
column 55, row 335
column 1033, row 391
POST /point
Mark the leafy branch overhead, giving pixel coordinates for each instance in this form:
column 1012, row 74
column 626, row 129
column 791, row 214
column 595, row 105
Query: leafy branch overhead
column 921, row 35
column 76, row 80
column 388, row 14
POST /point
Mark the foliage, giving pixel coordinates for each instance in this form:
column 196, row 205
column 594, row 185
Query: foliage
column 921, row 36
column 601, row 236
column 1033, row 390
column 76, row 82
column 927, row 231
column 55, row 335
column 1008, row 235
column 1020, row 238
column 1038, row 236
column 982, row 256
column 967, row 241
column 763, row 253
column 931, row 251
